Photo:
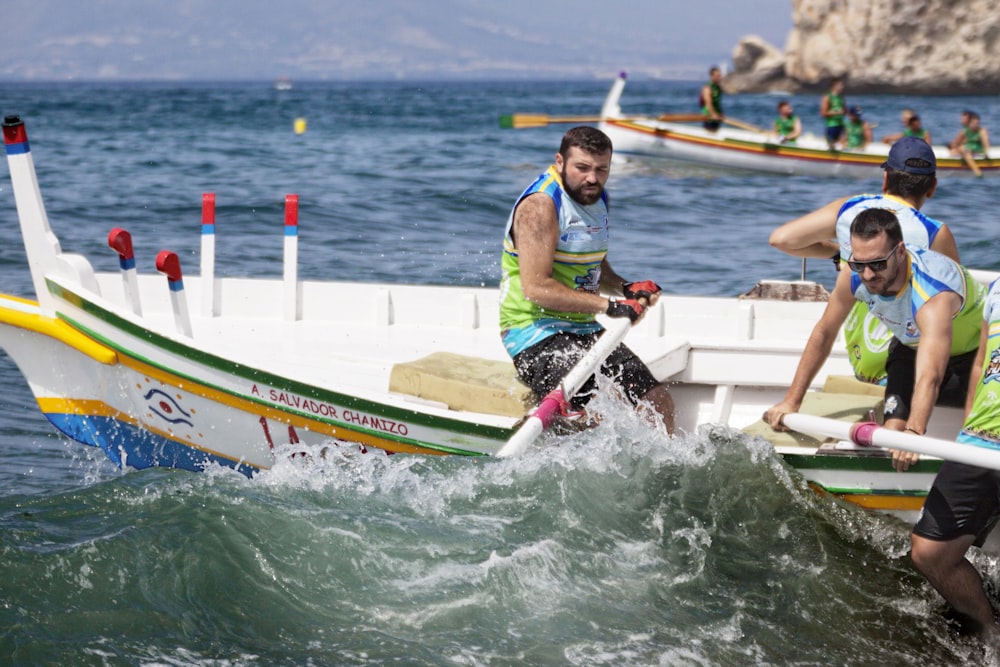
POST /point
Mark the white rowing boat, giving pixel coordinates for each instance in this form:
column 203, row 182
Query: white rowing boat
column 743, row 148
column 161, row 368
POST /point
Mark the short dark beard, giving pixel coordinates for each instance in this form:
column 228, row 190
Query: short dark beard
column 576, row 194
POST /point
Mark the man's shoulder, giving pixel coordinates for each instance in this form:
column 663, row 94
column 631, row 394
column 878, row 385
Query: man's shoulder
column 538, row 202
column 848, row 203
column 932, row 265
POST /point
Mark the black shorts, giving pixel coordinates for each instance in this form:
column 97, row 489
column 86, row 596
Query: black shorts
column 543, row 366
column 901, row 373
column 964, row 500
column 834, row 132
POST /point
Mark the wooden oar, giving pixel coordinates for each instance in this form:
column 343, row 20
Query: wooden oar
column 742, row 125
column 541, row 416
column 520, row 121
column 870, row 434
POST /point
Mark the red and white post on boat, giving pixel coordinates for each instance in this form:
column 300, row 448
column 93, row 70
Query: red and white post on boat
column 208, row 291
column 169, row 264
column 120, row 241
column 40, row 244
column 292, row 296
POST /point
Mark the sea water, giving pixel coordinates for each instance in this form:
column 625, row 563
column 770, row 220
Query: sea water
column 618, row 546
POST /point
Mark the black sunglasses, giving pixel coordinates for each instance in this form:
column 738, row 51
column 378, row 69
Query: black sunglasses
column 875, row 265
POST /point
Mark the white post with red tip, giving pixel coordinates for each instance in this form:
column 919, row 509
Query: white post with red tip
column 169, row 264
column 121, row 242
column 208, row 295
column 292, row 293
column 40, row 244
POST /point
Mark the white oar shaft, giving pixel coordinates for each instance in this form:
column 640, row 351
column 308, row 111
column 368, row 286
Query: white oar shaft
column 614, row 334
column 883, row 437
column 541, row 416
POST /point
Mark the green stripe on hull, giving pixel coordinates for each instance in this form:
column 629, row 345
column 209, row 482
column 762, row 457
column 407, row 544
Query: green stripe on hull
column 855, row 463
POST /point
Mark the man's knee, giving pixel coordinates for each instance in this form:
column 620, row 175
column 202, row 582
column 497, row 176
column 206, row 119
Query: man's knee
column 658, row 394
column 922, row 553
column 932, row 556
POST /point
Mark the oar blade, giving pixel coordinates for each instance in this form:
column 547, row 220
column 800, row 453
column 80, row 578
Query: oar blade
column 681, row 117
column 518, row 121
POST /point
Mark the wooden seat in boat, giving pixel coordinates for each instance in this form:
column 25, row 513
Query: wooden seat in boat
column 842, row 397
column 464, row 383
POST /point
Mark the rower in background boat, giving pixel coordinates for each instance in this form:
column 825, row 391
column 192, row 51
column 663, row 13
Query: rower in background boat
column 710, row 100
column 833, row 108
column 912, row 127
column 787, row 126
column 904, row 116
column 972, row 142
column 857, row 131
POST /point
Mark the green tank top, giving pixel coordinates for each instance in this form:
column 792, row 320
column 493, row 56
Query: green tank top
column 973, row 140
column 982, row 426
column 855, row 134
column 785, row 126
column 716, row 93
column 922, row 134
column 867, row 341
column 582, row 246
column 835, row 103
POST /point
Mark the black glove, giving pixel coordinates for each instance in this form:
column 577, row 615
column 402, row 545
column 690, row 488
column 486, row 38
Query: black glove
column 641, row 289
column 629, row 308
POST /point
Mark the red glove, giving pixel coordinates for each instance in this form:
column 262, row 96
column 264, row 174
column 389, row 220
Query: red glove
column 641, row 289
column 625, row 308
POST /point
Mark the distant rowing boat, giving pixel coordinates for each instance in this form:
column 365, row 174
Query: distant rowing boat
column 744, row 148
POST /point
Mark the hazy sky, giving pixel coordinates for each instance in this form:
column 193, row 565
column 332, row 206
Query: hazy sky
column 394, row 39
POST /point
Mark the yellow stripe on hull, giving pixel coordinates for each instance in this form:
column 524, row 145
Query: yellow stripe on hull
column 881, row 502
column 57, row 329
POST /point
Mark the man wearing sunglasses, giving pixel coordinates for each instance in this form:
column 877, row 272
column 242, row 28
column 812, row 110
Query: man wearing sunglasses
column 931, row 305
column 909, row 180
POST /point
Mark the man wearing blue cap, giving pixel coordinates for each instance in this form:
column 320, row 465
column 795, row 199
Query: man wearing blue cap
column 908, row 181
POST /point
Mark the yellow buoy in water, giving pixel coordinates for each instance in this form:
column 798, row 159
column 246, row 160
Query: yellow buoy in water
column 300, row 126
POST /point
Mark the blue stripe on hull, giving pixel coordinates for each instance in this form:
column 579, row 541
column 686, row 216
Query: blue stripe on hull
column 141, row 449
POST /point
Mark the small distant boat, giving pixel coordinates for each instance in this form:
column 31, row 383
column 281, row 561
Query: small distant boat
column 743, row 147
column 260, row 367
column 283, row 83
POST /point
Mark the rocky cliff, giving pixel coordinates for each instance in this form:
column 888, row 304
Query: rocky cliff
column 912, row 46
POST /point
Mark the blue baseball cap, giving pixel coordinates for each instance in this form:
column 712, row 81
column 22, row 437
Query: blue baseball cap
column 911, row 148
